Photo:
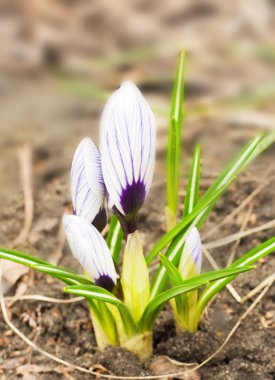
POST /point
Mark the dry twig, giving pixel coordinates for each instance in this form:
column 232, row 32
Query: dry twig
column 243, row 227
column 25, row 162
column 239, row 235
column 237, row 210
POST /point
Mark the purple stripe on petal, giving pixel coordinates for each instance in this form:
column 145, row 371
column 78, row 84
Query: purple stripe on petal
column 87, row 186
column 127, row 142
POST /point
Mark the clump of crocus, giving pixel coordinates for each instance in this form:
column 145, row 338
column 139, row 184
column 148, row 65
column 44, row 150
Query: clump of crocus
column 121, row 172
column 114, row 181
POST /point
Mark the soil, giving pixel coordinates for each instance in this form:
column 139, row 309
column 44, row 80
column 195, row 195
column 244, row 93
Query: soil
column 66, row 330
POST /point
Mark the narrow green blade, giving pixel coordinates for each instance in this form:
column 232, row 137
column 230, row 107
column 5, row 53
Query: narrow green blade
column 21, row 257
column 172, row 271
column 237, row 164
column 95, row 292
column 30, row 261
column 115, row 238
column 160, row 300
column 203, row 208
column 192, row 192
column 174, row 137
column 170, row 235
column 64, row 273
column 175, row 279
column 247, row 259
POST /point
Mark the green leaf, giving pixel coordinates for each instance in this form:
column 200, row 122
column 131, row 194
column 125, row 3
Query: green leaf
column 189, row 285
column 170, row 235
column 236, row 165
column 95, row 292
column 115, row 238
column 20, row 257
column 247, row 259
column 192, row 191
column 174, row 274
column 30, row 261
column 203, row 208
column 186, row 222
column 173, row 255
column 174, row 137
column 105, row 319
column 62, row 273
column 175, row 279
column 266, row 141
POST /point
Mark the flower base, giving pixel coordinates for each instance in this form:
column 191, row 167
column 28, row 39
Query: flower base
column 141, row 345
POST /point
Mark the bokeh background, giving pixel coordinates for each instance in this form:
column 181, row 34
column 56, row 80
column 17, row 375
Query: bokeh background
column 60, row 59
column 59, row 62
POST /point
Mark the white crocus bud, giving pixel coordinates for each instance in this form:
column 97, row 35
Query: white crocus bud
column 87, row 185
column 128, row 148
column 191, row 258
column 91, row 250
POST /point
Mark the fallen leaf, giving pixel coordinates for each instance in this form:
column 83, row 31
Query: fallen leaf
column 34, row 368
column 12, row 272
column 42, row 226
column 163, row 365
column 13, row 363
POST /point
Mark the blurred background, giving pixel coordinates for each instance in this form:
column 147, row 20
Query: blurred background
column 60, row 60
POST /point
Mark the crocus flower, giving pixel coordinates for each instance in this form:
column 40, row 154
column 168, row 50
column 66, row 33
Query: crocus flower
column 191, row 258
column 87, row 185
column 127, row 146
column 91, row 250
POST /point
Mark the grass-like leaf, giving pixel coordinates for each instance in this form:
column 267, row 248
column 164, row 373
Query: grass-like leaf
column 204, row 207
column 213, row 193
column 174, row 137
column 170, row 235
column 175, row 279
column 62, row 273
column 115, row 238
column 23, row 258
column 247, row 259
column 192, row 191
column 154, row 306
column 174, row 275
column 237, row 164
column 93, row 292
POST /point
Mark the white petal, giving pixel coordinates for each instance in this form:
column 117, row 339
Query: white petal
column 89, row 248
column 191, row 259
column 127, row 143
column 87, row 185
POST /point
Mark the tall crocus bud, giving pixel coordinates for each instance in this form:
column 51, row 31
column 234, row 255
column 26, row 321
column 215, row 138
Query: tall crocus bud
column 87, row 185
column 90, row 249
column 127, row 146
column 191, row 258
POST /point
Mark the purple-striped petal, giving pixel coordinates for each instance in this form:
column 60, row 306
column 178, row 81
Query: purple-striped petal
column 191, row 258
column 127, row 146
column 91, row 250
column 87, row 185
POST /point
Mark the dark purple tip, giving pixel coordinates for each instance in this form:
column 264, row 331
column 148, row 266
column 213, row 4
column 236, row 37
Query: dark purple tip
column 105, row 282
column 100, row 219
column 132, row 198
